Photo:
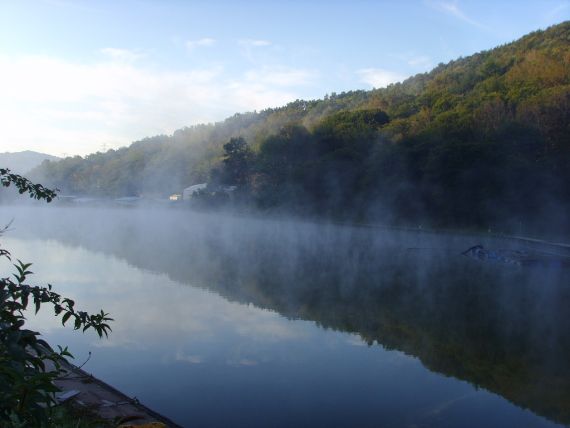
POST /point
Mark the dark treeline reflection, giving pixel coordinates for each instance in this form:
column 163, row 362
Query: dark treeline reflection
column 502, row 328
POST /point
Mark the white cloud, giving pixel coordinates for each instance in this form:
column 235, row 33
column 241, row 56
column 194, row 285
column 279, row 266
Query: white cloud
column 58, row 106
column 254, row 42
column 267, row 87
column 204, row 42
column 355, row 340
column 280, row 76
column 378, row 77
column 122, row 54
column 422, row 62
column 243, row 362
column 250, row 48
column 419, row 62
column 451, row 8
column 192, row 359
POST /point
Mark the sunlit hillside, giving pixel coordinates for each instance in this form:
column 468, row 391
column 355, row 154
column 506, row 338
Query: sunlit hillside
column 480, row 141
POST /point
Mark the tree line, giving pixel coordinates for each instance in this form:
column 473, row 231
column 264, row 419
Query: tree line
column 482, row 141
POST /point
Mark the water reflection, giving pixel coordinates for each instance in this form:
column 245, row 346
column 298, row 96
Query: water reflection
column 502, row 329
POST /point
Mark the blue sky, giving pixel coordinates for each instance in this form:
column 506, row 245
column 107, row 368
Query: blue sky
column 78, row 77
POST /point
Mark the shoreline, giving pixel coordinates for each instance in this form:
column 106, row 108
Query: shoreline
column 106, row 401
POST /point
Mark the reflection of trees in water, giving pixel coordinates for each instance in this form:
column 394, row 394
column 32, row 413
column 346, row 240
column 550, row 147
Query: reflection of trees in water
column 501, row 328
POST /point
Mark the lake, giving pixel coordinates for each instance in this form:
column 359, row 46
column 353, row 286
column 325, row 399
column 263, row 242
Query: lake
column 232, row 321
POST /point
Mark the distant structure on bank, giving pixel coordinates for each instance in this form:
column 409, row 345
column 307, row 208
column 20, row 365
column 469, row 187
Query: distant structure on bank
column 189, row 191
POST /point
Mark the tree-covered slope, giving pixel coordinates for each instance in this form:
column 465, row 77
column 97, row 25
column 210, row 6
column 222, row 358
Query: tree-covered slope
column 480, row 141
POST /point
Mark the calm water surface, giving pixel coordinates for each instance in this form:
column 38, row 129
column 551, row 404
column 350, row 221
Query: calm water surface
column 227, row 321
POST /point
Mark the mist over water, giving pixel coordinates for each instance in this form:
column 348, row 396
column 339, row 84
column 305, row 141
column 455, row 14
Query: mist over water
column 232, row 321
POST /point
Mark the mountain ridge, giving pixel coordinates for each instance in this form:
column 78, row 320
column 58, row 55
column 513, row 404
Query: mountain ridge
column 24, row 161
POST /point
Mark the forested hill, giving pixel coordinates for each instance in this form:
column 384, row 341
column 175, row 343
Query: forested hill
column 481, row 141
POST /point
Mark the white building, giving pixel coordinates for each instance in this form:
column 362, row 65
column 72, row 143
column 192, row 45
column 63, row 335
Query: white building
column 189, row 191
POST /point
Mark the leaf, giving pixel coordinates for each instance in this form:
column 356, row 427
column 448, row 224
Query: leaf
column 65, row 318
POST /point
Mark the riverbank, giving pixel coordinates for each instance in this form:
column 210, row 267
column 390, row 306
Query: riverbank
column 106, row 402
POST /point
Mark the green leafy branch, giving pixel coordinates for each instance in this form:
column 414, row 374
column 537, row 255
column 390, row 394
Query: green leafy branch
column 21, row 293
column 36, row 191
column 28, row 365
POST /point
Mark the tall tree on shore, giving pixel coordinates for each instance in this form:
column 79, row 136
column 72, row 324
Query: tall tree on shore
column 238, row 160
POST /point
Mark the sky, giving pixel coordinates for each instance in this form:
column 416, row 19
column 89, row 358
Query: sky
column 77, row 77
